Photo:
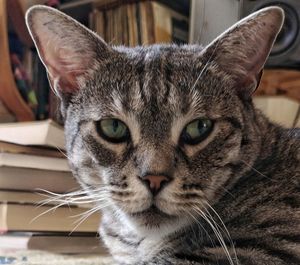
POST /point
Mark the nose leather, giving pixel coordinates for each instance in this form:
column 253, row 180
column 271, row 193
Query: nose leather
column 154, row 182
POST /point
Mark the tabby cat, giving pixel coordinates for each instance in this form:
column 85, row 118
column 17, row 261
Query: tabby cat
column 164, row 139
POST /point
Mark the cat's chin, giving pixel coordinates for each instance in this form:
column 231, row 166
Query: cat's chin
column 155, row 222
column 153, row 216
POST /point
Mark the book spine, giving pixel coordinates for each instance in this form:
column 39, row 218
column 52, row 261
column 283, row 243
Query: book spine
column 150, row 22
column 180, row 30
column 138, row 23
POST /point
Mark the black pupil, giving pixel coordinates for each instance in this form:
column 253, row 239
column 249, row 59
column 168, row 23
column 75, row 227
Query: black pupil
column 201, row 126
column 115, row 125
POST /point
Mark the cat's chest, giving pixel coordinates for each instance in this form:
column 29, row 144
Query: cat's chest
column 126, row 246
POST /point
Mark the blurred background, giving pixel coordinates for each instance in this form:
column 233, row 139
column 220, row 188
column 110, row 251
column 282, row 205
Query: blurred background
column 25, row 93
column 32, row 142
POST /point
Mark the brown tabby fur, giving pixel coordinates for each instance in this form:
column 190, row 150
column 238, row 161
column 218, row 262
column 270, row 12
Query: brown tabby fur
column 232, row 199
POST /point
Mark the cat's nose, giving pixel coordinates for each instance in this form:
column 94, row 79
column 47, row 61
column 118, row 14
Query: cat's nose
column 155, row 182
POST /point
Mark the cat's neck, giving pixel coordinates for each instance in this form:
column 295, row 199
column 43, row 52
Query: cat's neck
column 127, row 242
column 277, row 143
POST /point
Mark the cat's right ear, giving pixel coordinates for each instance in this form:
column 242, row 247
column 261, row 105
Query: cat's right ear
column 69, row 51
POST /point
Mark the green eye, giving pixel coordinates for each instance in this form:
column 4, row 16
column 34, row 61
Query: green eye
column 196, row 131
column 113, row 130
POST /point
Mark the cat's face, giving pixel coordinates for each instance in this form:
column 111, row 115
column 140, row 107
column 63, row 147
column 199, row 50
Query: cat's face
column 156, row 133
column 190, row 132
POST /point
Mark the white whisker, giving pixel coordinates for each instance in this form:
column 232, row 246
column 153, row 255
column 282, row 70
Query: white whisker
column 198, row 223
column 52, row 209
column 206, row 64
column 224, row 226
column 258, row 172
column 216, row 231
column 87, row 214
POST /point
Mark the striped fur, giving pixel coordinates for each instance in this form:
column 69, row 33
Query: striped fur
column 233, row 198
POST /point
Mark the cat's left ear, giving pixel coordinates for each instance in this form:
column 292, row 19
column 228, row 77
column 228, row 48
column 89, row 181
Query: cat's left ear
column 69, row 51
column 241, row 51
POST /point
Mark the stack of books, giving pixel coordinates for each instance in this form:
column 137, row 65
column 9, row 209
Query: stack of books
column 133, row 23
column 34, row 177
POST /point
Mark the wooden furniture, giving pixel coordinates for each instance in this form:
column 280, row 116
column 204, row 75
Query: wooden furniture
column 284, row 83
column 16, row 14
column 280, row 82
column 9, row 93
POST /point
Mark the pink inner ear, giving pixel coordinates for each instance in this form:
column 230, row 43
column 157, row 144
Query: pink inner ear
column 65, row 67
column 262, row 49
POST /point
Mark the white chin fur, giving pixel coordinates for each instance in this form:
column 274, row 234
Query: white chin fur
column 158, row 231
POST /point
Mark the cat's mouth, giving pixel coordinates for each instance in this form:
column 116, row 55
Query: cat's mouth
column 151, row 212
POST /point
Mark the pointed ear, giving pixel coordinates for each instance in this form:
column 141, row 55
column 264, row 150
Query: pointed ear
column 241, row 51
column 69, row 51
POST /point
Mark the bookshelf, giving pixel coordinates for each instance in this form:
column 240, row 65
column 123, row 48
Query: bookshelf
column 34, row 177
column 9, row 94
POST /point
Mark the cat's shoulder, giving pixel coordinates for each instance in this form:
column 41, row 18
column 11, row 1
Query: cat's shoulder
column 293, row 133
column 291, row 139
column 290, row 145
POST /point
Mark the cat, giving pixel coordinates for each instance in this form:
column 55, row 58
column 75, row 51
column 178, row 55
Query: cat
column 166, row 142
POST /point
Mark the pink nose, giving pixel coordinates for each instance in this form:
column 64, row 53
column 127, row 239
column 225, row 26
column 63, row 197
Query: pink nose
column 155, row 182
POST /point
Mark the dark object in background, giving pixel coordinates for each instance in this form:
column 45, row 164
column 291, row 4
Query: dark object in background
column 15, row 45
column 180, row 31
column 42, row 91
column 286, row 50
column 205, row 27
column 181, row 6
column 22, row 81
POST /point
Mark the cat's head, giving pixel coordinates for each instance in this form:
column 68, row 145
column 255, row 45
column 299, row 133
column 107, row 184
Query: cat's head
column 156, row 133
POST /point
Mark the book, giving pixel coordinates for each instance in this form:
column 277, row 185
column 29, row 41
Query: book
column 169, row 26
column 125, row 29
column 30, row 218
column 21, row 197
column 132, row 26
column 30, row 150
column 34, row 162
column 29, row 179
column 37, row 198
column 98, row 23
column 82, row 243
column 34, row 257
column 41, row 133
column 144, row 24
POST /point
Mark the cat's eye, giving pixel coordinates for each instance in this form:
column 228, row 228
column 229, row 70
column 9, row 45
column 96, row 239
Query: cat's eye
column 196, row 131
column 113, row 130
